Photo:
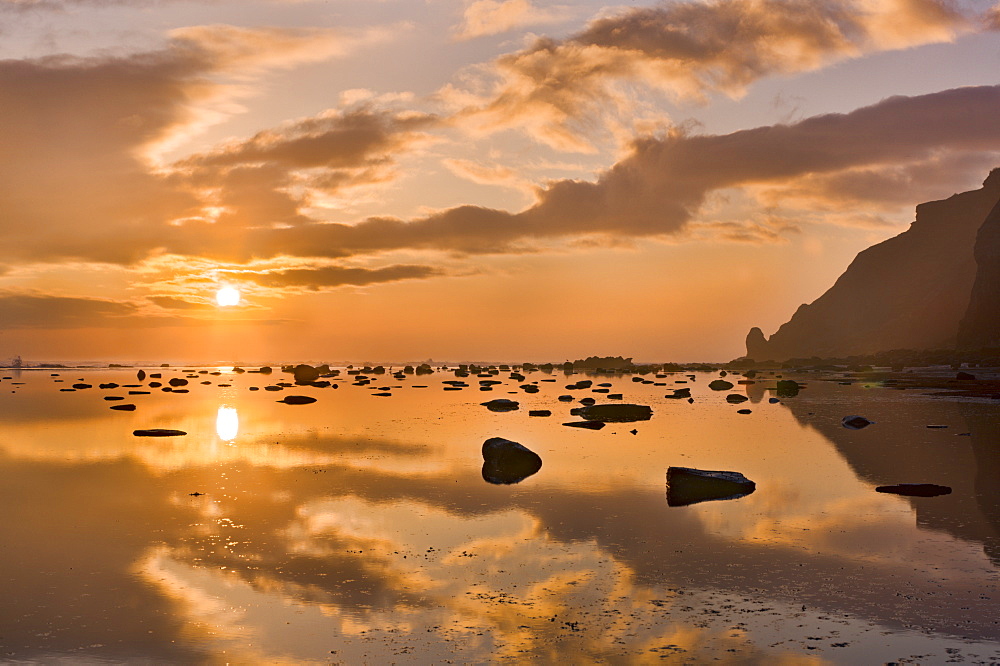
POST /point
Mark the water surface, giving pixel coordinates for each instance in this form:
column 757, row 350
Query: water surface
column 360, row 528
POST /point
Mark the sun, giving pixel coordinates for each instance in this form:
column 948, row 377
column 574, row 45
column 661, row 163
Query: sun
column 227, row 296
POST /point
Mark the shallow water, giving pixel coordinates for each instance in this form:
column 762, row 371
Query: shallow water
column 360, row 529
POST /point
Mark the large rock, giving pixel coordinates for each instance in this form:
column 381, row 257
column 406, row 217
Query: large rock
column 507, row 462
column 911, row 291
column 687, row 485
column 501, row 405
column 615, row 413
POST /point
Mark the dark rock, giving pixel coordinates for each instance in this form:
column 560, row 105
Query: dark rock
column 178, row 381
column 141, row 375
column 501, row 405
column 787, row 388
column 155, row 384
column 964, row 376
column 855, row 422
column 614, row 396
column 736, row 398
column 587, row 401
column 687, row 485
column 124, row 407
column 744, row 411
column 274, row 388
column 540, row 412
column 720, row 385
column 114, row 397
column 297, row 400
column 155, row 375
column 506, row 462
column 158, row 432
column 82, row 386
column 589, row 425
column 109, row 385
column 139, row 392
column 915, row 489
column 304, row 373
column 617, row 413
column 773, row 401
column 679, row 393
column 565, row 398
column 382, row 394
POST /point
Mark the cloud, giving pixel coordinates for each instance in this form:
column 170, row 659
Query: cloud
column 662, row 184
column 690, row 50
column 174, row 303
column 329, row 277
column 76, row 182
column 492, row 17
column 36, row 310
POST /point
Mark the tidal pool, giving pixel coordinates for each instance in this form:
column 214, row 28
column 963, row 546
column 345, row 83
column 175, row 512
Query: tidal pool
column 360, row 529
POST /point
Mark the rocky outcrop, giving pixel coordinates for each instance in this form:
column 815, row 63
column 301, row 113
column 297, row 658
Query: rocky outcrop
column 908, row 292
column 980, row 328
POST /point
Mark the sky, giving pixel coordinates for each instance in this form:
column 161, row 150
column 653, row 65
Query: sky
column 493, row 180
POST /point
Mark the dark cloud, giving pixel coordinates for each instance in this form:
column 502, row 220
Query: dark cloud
column 30, row 310
column 175, row 303
column 662, row 184
column 328, row 277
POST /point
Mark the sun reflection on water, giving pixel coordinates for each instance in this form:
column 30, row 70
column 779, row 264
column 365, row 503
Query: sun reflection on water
column 227, row 423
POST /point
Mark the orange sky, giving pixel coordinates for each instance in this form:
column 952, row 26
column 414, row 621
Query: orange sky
column 477, row 179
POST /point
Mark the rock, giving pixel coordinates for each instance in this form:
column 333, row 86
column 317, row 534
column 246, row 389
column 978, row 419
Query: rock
column 965, row 376
column 178, row 381
column 617, row 413
column 155, row 384
column 304, row 373
column 587, row 401
column 773, row 401
column 158, row 432
column 109, row 385
column 736, row 398
column 787, row 388
column 744, row 411
column 614, row 396
column 382, row 394
column 540, row 412
column 501, row 405
column 720, row 385
column 980, row 325
column 565, row 398
column 506, row 462
column 114, row 397
column 589, row 425
column 855, row 422
column 125, row 407
column 82, row 386
column 297, row 400
column 141, row 375
column 687, row 485
column 139, row 392
column 680, row 393
column 915, row 489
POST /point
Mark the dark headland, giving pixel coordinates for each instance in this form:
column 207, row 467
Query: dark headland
column 930, row 293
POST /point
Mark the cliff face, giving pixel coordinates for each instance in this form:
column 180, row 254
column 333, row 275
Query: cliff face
column 981, row 326
column 908, row 292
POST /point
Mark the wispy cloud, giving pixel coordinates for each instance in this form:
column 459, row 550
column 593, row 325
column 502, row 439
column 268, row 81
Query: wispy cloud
column 492, row 17
column 689, row 50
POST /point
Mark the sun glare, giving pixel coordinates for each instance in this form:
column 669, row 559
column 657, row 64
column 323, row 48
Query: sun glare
column 227, row 296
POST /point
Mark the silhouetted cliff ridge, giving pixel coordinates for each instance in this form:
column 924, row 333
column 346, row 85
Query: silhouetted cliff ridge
column 981, row 326
column 911, row 291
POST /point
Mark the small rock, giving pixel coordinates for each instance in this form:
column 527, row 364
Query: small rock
column 540, row 412
column 589, row 425
column 720, row 385
column 855, row 422
column 126, row 407
column 501, row 405
column 915, row 489
column 297, row 400
column 158, row 432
